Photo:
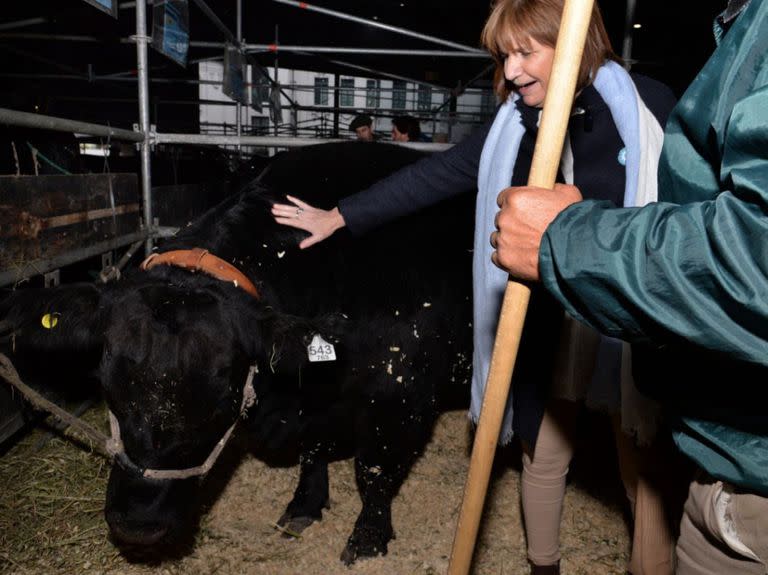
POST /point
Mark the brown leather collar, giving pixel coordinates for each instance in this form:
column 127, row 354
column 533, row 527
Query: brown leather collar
column 196, row 260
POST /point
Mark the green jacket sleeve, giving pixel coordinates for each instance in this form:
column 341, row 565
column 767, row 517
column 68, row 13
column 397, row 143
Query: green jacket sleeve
column 693, row 267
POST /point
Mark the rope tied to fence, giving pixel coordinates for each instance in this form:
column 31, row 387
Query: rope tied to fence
column 112, row 446
column 8, row 373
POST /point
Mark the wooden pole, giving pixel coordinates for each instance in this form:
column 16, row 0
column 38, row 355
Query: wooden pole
column 546, row 160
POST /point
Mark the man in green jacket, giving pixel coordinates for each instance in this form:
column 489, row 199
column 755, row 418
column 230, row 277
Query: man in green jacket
column 686, row 281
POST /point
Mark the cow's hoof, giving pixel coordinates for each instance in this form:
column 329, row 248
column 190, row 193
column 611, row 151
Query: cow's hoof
column 356, row 549
column 294, row 526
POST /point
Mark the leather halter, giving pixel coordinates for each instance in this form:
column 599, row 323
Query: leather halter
column 200, row 260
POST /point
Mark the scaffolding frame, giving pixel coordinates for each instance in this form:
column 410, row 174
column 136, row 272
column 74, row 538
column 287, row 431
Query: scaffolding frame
column 146, row 137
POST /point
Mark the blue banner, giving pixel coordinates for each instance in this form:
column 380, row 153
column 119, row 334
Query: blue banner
column 108, row 6
column 170, row 29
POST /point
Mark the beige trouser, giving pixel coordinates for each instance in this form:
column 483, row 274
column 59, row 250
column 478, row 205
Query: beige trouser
column 723, row 530
column 543, row 490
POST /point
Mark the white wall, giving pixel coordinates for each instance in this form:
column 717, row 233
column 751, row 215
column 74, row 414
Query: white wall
column 299, row 85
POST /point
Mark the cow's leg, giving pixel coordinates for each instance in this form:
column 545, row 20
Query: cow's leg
column 320, row 426
column 310, row 497
column 395, row 438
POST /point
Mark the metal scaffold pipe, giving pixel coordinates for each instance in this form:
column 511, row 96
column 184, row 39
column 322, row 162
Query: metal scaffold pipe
column 273, row 141
column 373, row 23
column 30, row 120
column 353, row 50
column 216, row 21
column 239, row 30
column 143, row 74
column 626, row 46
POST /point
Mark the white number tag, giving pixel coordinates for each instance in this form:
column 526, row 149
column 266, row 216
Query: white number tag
column 321, row 350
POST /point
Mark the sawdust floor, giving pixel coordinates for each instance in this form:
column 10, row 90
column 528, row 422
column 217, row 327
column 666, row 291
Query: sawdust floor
column 237, row 535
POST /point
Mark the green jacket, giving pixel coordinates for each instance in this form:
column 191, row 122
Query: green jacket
column 686, row 279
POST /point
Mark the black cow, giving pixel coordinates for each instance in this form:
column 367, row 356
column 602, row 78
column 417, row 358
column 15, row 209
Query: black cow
column 175, row 347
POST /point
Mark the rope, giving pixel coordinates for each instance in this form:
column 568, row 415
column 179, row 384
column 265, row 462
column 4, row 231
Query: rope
column 112, row 447
column 9, row 373
column 51, row 163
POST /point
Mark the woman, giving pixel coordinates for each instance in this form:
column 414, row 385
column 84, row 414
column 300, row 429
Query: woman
column 611, row 151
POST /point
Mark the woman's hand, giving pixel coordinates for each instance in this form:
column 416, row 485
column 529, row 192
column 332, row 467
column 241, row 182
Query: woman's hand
column 319, row 223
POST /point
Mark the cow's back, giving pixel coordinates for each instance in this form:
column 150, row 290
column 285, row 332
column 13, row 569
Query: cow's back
column 399, row 267
column 325, row 173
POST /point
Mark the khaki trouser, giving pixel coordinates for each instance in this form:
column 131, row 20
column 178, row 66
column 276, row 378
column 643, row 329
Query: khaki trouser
column 543, row 490
column 724, row 531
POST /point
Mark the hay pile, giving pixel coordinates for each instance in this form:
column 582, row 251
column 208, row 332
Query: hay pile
column 52, row 497
column 51, row 507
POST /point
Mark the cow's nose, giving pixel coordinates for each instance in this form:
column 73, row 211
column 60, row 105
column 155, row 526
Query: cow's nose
column 144, row 536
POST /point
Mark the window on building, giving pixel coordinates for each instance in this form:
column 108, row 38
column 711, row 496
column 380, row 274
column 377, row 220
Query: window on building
column 347, row 92
column 398, row 94
column 372, row 93
column 321, row 91
column 424, row 97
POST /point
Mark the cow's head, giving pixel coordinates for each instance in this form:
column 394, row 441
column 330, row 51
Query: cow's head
column 174, row 361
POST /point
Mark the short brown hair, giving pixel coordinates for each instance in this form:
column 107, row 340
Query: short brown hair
column 540, row 20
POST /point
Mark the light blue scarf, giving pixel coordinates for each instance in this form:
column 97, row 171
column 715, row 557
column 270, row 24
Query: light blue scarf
column 641, row 135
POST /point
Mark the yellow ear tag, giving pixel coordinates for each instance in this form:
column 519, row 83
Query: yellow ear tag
column 50, row 320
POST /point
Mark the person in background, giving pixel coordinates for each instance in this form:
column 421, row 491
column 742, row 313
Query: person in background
column 613, row 144
column 362, row 125
column 686, row 280
column 406, row 129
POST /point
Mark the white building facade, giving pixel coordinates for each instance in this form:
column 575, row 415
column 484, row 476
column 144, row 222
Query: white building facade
column 325, row 109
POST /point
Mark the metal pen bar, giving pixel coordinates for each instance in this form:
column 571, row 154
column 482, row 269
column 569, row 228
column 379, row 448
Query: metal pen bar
column 266, row 141
column 22, row 23
column 158, row 80
column 110, row 78
column 626, row 47
column 239, row 106
column 216, row 21
column 424, row 115
column 52, row 37
column 273, row 141
column 141, row 64
column 262, row 48
column 133, row 101
column 276, row 72
column 352, row 50
column 36, row 267
column 375, row 24
column 21, row 76
column 29, row 120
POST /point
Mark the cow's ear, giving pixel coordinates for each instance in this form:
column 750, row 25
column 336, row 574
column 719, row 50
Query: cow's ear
column 63, row 319
column 282, row 341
